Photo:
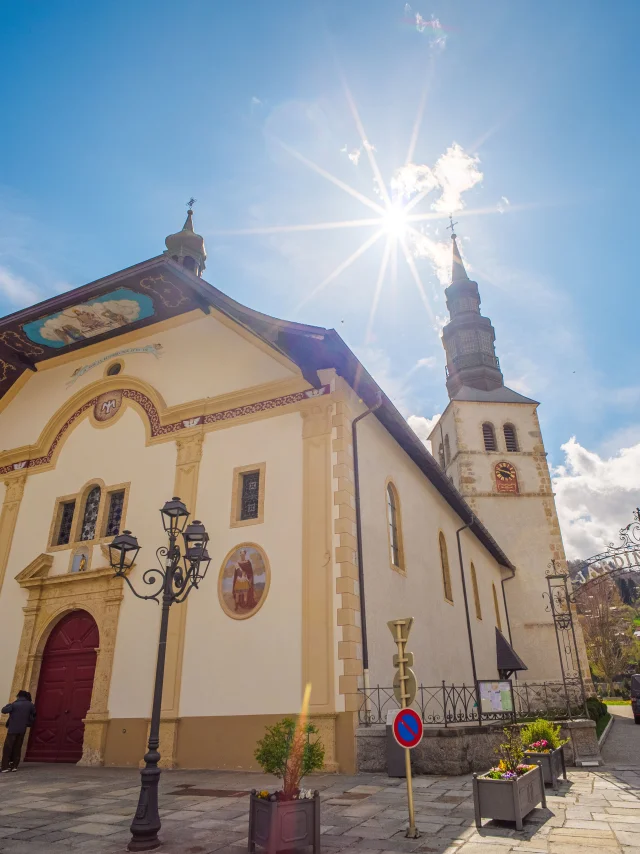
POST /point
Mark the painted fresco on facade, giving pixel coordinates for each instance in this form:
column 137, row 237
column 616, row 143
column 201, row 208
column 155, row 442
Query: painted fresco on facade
column 86, row 320
column 244, row 581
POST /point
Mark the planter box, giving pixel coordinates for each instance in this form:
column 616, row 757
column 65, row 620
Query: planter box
column 553, row 765
column 284, row 825
column 508, row 800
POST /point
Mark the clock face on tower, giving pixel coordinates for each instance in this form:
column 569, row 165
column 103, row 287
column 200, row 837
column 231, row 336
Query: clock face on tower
column 506, row 477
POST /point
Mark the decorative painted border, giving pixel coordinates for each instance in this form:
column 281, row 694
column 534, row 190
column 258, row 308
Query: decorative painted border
column 157, row 429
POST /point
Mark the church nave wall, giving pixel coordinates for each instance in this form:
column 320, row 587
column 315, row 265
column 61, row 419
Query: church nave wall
column 439, row 637
column 249, row 666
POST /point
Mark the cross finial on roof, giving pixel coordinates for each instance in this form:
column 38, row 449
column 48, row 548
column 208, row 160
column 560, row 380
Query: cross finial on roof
column 452, row 225
column 191, row 202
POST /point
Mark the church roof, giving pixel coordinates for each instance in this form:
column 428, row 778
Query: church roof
column 502, row 394
column 458, row 271
column 160, row 288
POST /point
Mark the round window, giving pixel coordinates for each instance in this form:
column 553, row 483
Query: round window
column 114, row 369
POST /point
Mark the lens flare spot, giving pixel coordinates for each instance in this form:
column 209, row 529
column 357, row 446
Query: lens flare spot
column 394, row 221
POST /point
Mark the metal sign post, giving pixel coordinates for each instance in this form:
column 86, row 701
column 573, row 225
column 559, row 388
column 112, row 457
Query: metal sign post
column 404, row 688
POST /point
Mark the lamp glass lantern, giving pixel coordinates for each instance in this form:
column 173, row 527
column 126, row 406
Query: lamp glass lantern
column 123, row 551
column 174, row 516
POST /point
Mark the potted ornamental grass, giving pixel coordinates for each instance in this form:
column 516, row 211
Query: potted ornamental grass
column 512, row 788
column 289, row 818
column 542, row 743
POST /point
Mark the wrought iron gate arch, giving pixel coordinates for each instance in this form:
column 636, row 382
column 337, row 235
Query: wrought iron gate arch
column 562, row 591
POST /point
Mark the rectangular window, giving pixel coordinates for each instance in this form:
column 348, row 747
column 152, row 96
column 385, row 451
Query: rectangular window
column 66, row 520
column 247, row 495
column 114, row 518
column 250, row 495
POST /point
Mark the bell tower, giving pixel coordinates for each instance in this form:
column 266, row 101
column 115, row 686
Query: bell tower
column 468, row 338
column 186, row 247
column 489, row 443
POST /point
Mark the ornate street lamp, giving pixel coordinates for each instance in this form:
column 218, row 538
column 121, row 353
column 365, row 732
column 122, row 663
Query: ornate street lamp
column 171, row 584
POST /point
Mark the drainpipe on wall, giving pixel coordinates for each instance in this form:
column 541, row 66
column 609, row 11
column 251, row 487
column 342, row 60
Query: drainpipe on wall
column 506, row 609
column 466, row 601
column 363, row 612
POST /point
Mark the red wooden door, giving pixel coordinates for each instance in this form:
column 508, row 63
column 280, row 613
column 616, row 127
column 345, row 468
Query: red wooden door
column 64, row 690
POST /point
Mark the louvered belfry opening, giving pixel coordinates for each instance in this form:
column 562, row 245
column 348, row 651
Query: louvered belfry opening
column 489, row 436
column 510, row 437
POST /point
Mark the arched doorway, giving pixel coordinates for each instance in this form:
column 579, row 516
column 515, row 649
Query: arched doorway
column 64, row 690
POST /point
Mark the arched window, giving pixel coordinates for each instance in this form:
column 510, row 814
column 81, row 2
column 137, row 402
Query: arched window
column 447, row 450
column 489, row 436
column 495, row 605
column 446, row 573
column 90, row 518
column 441, row 458
column 476, row 592
column 510, row 437
column 189, row 263
column 394, row 528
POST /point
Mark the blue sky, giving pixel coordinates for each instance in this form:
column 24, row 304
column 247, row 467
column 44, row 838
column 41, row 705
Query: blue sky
column 115, row 113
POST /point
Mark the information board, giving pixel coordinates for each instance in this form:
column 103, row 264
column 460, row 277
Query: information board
column 495, row 697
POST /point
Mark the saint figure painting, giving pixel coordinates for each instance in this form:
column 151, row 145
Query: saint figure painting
column 244, row 581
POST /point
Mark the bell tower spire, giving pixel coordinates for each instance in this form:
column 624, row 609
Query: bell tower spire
column 468, row 338
column 186, row 247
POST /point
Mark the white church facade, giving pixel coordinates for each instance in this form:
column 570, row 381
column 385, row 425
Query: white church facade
column 151, row 383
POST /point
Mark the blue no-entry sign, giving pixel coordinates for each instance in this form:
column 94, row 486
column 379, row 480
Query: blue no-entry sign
column 408, row 728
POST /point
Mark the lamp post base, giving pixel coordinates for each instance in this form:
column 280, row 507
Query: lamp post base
column 146, row 822
column 144, row 844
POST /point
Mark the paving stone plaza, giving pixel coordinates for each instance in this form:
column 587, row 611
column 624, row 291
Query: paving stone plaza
column 49, row 808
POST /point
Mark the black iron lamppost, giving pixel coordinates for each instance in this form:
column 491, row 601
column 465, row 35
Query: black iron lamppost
column 172, row 583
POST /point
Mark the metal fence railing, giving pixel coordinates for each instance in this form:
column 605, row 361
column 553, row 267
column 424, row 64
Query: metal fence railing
column 450, row 705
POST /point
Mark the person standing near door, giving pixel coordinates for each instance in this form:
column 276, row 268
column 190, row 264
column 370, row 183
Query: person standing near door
column 22, row 714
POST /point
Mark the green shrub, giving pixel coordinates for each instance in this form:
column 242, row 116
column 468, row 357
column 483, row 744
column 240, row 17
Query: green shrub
column 275, row 756
column 596, row 708
column 542, row 730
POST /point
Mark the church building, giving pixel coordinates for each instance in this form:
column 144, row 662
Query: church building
column 327, row 518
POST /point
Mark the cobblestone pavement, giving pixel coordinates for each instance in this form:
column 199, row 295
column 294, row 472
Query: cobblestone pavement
column 48, row 808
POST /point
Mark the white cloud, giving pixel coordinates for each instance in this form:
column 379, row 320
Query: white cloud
column 255, row 101
column 16, row 289
column 353, row 155
column 422, row 427
column 519, row 384
column 436, row 251
column 503, row 204
column 413, row 178
column 456, row 173
column 595, row 496
column 427, row 362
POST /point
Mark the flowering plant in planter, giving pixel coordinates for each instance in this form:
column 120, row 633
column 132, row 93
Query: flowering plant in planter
column 500, row 774
column 511, row 789
column 287, row 751
column 288, row 819
column 541, row 736
column 511, row 753
column 542, row 739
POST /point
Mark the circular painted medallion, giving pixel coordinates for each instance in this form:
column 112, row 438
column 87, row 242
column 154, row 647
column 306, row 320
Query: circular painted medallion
column 244, row 581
